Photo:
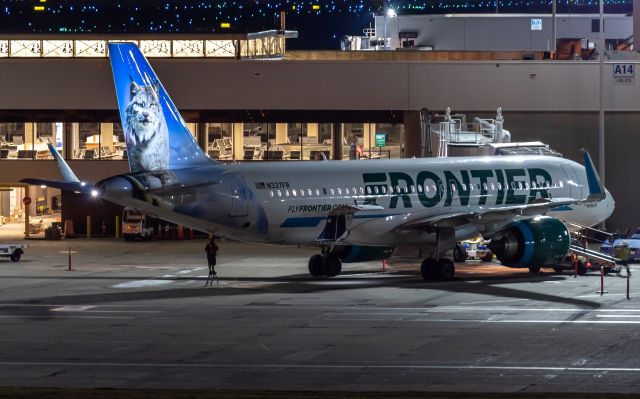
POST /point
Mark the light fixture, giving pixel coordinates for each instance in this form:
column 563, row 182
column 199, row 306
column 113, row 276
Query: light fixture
column 391, row 13
column 94, row 193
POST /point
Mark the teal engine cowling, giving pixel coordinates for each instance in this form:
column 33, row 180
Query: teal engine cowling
column 359, row 253
column 537, row 242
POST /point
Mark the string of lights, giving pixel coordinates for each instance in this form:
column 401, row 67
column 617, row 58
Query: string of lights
column 193, row 16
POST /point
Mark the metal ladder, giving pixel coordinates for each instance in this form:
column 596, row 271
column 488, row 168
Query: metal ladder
column 579, row 243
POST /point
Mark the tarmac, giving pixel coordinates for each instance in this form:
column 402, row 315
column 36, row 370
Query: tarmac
column 136, row 315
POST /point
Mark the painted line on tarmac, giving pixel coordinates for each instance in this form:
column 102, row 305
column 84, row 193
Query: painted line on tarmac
column 500, row 301
column 329, row 366
column 64, row 317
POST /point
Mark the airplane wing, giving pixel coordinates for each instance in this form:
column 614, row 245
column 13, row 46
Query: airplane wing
column 488, row 215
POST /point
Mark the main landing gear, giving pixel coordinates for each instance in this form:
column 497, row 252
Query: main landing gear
column 438, row 267
column 326, row 264
column 433, row 269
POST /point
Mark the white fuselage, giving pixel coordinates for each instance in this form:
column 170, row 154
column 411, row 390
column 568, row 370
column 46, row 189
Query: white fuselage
column 288, row 203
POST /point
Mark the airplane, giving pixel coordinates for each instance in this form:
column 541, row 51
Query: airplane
column 352, row 211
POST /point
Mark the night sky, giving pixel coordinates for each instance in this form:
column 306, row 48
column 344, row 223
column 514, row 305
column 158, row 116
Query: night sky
column 320, row 23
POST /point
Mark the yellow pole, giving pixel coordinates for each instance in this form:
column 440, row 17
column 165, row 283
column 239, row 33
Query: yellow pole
column 89, row 227
column 117, row 227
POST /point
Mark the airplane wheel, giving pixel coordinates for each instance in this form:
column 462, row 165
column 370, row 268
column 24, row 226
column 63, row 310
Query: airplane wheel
column 332, row 265
column 447, row 269
column 15, row 256
column 429, row 269
column 460, row 253
column 558, row 269
column 316, row 268
column 534, row 269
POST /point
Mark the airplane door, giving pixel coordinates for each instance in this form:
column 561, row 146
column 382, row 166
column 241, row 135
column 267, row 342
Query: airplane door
column 239, row 195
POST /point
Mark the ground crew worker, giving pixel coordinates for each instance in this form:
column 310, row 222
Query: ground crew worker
column 211, row 250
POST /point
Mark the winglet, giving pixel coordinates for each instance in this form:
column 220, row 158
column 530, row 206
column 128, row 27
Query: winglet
column 596, row 189
column 65, row 170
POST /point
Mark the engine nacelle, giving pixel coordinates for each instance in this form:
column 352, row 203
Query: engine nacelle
column 537, row 242
column 358, row 253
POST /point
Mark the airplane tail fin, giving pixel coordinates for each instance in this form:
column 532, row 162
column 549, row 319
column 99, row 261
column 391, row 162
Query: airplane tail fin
column 157, row 137
column 597, row 191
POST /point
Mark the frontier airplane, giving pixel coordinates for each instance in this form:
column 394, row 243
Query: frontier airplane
column 352, row 211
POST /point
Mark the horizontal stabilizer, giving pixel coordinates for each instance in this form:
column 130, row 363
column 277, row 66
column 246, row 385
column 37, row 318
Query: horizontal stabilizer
column 76, row 186
column 596, row 189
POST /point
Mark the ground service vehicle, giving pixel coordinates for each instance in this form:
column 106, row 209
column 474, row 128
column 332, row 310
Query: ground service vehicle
column 135, row 225
column 12, row 251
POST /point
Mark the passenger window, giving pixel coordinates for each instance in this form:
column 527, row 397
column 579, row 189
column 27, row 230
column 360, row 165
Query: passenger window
column 453, row 187
column 376, row 190
column 354, row 191
column 339, row 191
column 533, row 184
column 419, row 189
column 294, row 192
column 526, row 185
column 426, row 188
column 485, row 186
column 464, row 187
column 384, row 189
column 332, row 191
column 519, row 185
column 271, row 194
column 368, row 189
column 413, row 189
column 309, row 192
column 286, row 193
column 279, row 193
column 561, row 185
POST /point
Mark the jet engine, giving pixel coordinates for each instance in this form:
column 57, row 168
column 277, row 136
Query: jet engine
column 359, row 253
column 533, row 243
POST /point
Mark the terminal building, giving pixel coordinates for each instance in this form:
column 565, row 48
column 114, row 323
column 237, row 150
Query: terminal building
column 247, row 99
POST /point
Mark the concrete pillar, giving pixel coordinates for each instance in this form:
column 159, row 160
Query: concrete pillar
column 312, row 130
column 237, row 131
column 282, row 131
column 30, row 129
column 106, row 135
column 67, row 141
column 336, row 140
column 202, row 137
column 75, row 139
column 368, row 129
column 412, row 134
